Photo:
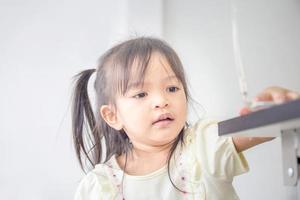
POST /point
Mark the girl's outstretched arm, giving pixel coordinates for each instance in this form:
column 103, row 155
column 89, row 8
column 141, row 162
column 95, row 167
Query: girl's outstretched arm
column 275, row 94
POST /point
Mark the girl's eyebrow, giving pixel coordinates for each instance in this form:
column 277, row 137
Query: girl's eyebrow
column 137, row 84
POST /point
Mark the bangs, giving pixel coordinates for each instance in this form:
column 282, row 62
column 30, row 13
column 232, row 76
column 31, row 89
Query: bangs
column 131, row 68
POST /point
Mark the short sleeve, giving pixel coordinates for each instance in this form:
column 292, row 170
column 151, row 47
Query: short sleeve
column 94, row 187
column 217, row 154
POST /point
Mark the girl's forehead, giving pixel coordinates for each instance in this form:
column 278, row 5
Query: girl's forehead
column 156, row 67
column 156, row 75
column 145, row 72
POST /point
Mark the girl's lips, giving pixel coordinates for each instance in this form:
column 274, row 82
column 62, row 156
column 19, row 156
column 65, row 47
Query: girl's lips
column 163, row 123
column 162, row 117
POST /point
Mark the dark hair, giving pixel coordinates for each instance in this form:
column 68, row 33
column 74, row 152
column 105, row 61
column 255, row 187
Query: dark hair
column 112, row 77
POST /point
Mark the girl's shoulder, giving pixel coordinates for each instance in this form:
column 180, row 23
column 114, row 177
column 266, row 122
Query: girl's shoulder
column 216, row 154
column 96, row 183
column 201, row 129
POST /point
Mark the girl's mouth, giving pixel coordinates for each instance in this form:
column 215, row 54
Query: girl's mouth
column 163, row 118
column 164, row 122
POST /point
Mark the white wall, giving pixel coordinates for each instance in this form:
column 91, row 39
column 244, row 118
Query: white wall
column 269, row 37
column 44, row 44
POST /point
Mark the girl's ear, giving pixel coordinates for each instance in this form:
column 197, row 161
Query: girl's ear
column 109, row 115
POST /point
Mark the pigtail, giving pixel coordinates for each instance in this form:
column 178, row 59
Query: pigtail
column 84, row 131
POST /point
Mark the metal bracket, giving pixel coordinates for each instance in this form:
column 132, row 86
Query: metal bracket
column 290, row 141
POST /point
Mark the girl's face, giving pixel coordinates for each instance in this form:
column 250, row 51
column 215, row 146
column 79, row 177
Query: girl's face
column 161, row 97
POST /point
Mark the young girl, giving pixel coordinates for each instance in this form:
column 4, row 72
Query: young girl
column 138, row 142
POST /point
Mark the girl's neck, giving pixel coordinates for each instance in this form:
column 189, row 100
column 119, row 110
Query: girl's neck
column 141, row 162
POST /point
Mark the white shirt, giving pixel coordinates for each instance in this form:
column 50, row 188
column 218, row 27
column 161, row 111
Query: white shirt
column 203, row 168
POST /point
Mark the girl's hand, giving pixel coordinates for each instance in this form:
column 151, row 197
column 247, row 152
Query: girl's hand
column 274, row 94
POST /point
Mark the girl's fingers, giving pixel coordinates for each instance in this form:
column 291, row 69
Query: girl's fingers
column 273, row 94
column 291, row 95
column 244, row 111
column 279, row 97
column 264, row 96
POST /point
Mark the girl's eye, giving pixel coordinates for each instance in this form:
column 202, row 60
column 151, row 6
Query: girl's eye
column 173, row 89
column 140, row 95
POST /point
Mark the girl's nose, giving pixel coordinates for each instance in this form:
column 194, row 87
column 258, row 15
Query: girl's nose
column 160, row 101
